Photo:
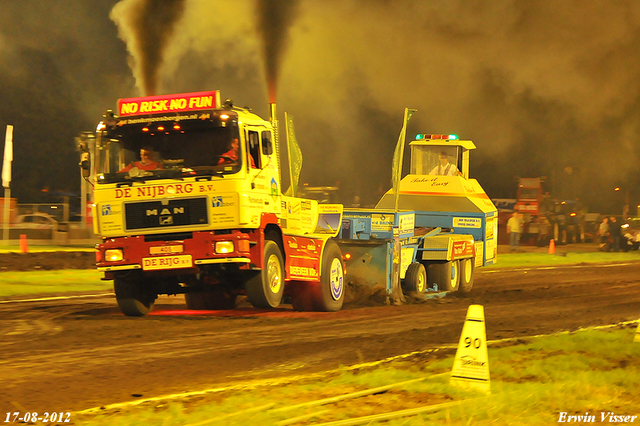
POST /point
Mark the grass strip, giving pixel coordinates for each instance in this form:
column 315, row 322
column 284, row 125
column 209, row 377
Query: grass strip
column 586, row 373
column 511, row 260
column 347, row 396
column 52, row 282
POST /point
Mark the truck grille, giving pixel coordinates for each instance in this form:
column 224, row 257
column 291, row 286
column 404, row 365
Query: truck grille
column 155, row 214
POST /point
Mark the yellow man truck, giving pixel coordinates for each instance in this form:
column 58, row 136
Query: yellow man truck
column 188, row 199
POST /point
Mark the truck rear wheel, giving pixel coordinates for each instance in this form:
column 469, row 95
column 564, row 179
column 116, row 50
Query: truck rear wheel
column 328, row 294
column 265, row 289
column 467, row 267
column 135, row 297
column 444, row 275
column 415, row 279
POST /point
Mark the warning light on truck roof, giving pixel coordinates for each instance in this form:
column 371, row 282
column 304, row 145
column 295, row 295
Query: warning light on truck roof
column 446, row 137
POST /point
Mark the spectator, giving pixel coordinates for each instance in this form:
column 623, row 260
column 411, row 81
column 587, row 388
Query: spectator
column 603, row 231
column 514, row 229
column 615, row 231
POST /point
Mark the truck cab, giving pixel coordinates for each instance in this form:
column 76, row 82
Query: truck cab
column 188, row 199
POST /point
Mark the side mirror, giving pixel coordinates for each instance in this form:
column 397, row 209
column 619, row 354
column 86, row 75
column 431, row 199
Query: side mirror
column 85, row 164
column 267, row 147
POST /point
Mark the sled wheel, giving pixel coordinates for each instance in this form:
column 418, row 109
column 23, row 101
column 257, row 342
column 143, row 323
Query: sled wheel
column 467, row 267
column 415, row 279
column 135, row 297
column 444, row 274
column 265, row 289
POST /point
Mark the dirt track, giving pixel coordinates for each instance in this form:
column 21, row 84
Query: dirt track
column 82, row 353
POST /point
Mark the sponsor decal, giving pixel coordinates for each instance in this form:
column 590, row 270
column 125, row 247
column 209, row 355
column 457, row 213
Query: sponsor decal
column 168, row 103
column 155, row 191
column 381, row 222
column 336, row 279
column 219, row 201
column 407, row 223
column 467, row 222
column 461, row 248
column 105, row 209
column 303, row 271
column 167, row 262
column 274, row 188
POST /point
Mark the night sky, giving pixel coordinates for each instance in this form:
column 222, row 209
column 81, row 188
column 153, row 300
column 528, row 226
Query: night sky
column 543, row 88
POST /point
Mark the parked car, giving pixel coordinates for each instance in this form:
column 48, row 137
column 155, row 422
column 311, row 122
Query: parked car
column 36, row 221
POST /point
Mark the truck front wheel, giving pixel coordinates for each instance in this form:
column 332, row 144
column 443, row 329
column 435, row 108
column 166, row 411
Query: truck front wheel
column 446, row 275
column 135, row 297
column 265, row 289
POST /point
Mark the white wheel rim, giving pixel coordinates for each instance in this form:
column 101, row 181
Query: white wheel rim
column 467, row 270
column 336, row 279
column 454, row 273
column 421, row 285
column 274, row 274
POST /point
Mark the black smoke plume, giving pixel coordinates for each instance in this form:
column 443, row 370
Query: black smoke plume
column 274, row 19
column 146, row 27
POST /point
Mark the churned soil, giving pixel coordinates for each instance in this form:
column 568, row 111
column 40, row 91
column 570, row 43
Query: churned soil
column 44, row 261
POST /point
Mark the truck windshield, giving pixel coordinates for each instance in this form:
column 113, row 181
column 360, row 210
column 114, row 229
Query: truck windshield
column 158, row 149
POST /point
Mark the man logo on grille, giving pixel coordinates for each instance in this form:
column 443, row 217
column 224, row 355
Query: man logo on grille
column 166, row 220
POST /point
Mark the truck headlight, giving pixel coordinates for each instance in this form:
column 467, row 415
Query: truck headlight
column 223, row 247
column 113, row 255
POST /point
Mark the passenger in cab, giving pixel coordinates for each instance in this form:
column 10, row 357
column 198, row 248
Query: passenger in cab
column 231, row 156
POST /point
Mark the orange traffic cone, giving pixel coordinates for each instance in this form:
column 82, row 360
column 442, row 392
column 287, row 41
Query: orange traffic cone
column 24, row 246
column 552, row 247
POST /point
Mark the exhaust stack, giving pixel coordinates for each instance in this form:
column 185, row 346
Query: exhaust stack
column 276, row 139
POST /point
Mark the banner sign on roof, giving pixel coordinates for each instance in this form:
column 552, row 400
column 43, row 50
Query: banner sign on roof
column 169, row 103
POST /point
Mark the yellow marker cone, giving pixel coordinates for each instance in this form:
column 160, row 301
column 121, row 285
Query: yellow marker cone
column 637, row 338
column 471, row 365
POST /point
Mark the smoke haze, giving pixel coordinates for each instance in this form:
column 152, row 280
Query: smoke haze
column 542, row 87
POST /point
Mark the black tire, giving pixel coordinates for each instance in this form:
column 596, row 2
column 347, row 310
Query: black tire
column 135, row 297
column 266, row 288
column 444, row 274
column 326, row 295
column 210, row 299
column 415, row 278
column 467, row 267
column 330, row 294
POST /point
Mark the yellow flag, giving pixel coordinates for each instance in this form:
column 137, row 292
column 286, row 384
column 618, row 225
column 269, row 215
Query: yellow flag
column 295, row 155
column 396, row 173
